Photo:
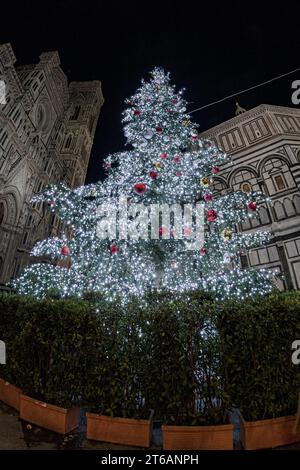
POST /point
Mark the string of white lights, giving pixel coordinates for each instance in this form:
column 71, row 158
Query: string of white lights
column 119, row 253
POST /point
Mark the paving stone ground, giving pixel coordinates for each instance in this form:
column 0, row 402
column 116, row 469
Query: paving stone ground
column 19, row 435
column 16, row 434
column 12, row 435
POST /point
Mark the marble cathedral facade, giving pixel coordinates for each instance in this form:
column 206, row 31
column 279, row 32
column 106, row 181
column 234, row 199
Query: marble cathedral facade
column 47, row 127
column 265, row 146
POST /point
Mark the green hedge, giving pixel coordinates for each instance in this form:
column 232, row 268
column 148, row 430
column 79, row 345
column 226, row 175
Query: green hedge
column 48, row 346
column 114, row 387
column 189, row 358
column 256, row 340
column 183, row 379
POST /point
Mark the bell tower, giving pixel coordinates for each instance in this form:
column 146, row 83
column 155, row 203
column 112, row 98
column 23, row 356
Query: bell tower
column 86, row 100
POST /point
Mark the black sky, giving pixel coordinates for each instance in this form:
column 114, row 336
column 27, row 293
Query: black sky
column 211, row 48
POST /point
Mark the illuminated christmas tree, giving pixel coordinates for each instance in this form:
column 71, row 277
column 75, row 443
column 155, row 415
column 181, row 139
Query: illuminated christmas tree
column 138, row 230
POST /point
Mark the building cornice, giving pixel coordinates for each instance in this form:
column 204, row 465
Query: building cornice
column 244, row 117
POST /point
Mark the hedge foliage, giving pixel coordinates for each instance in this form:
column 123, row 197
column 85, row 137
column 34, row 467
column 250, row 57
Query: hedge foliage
column 48, row 344
column 257, row 339
column 190, row 359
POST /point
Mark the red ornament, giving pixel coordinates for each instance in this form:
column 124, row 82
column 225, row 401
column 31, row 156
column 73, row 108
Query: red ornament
column 114, row 249
column 153, row 174
column 212, row 215
column 159, row 130
column 51, row 203
column 137, row 112
column 163, row 155
column 65, row 251
column 194, row 137
column 176, row 159
column 139, row 188
column 131, row 103
column 203, row 251
column 162, row 231
column 207, row 197
column 107, row 165
column 187, row 231
column 216, row 170
column 178, row 173
column 252, row 206
column 174, row 101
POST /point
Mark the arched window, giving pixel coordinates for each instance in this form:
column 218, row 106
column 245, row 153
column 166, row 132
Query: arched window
column 277, row 176
column 2, row 92
column 279, row 210
column 1, row 212
column 91, row 125
column 29, row 220
column 68, row 142
column 255, row 221
column 8, row 209
column 40, row 116
column 289, row 207
column 264, row 215
column 76, row 113
column 25, row 238
column 3, row 138
column 244, row 180
column 246, row 225
column 218, row 187
column 296, row 201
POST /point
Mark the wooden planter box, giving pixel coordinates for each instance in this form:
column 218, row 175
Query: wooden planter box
column 198, row 437
column 268, row 433
column 10, row 395
column 47, row 416
column 136, row 432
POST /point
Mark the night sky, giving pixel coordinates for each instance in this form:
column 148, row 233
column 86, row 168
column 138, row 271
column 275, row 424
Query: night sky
column 212, row 50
